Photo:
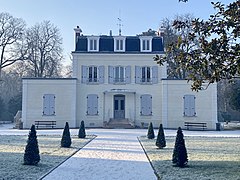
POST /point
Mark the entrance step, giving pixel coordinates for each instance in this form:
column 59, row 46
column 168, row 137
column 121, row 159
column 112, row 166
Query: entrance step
column 119, row 124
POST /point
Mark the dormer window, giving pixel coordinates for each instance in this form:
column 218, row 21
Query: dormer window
column 119, row 44
column 146, row 44
column 93, row 43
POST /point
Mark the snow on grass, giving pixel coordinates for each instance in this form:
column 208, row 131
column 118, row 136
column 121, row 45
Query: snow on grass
column 12, row 149
column 209, row 158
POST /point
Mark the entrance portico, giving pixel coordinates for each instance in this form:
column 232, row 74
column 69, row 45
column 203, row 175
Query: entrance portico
column 119, row 104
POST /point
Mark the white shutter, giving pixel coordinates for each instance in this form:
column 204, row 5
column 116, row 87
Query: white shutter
column 49, row 104
column 110, row 74
column 101, row 74
column 155, row 74
column 92, row 104
column 189, row 105
column 138, row 74
column 146, row 105
column 84, row 74
column 128, row 74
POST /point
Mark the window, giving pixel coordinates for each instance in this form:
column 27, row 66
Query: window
column 189, row 105
column 146, row 43
column 146, row 105
column 93, row 74
column 48, row 104
column 119, row 44
column 93, row 43
column 119, row 74
column 92, row 104
column 146, row 75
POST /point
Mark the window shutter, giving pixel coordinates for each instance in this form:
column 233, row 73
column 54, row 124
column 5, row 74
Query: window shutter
column 128, row 74
column 189, row 105
column 49, row 104
column 45, row 105
column 110, row 74
column 101, row 74
column 146, row 105
column 137, row 74
column 92, row 104
column 84, row 74
column 155, row 74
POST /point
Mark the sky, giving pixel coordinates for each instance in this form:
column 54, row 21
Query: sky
column 98, row 17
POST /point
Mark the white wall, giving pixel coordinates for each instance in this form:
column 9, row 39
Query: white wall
column 105, row 102
column 65, row 101
column 173, row 107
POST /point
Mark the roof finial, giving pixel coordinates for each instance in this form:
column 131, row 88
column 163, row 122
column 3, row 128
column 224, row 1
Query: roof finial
column 120, row 24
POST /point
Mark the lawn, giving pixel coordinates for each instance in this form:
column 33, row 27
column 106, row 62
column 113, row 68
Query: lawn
column 209, row 158
column 51, row 154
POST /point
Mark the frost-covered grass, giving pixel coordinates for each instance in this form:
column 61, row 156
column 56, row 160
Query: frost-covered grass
column 12, row 151
column 209, row 158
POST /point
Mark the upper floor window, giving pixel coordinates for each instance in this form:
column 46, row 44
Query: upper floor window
column 146, row 74
column 146, row 44
column 119, row 44
column 93, row 43
column 119, row 74
column 93, row 74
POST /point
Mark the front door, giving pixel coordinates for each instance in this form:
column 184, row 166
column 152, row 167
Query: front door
column 119, row 107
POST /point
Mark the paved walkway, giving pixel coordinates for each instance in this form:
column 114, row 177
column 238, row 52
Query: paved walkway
column 109, row 156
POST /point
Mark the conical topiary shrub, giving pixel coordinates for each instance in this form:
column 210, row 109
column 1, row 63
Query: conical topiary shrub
column 31, row 155
column 150, row 134
column 66, row 138
column 161, row 142
column 179, row 157
column 81, row 132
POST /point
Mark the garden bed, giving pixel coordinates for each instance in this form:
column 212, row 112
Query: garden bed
column 209, row 158
column 51, row 154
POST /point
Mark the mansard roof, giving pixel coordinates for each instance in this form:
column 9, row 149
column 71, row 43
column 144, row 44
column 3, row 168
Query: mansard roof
column 132, row 44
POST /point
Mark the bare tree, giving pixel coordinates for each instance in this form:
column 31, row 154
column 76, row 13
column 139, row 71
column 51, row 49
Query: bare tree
column 44, row 45
column 171, row 36
column 11, row 35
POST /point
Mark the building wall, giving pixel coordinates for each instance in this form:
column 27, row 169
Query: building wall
column 65, row 102
column 173, row 104
column 105, row 100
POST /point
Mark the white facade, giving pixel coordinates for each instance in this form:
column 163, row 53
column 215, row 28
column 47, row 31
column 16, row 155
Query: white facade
column 122, row 83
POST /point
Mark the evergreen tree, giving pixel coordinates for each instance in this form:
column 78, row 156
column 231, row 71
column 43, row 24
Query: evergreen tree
column 66, row 138
column 31, row 155
column 161, row 142
column 150, row 134
column 81, row 132
column 179, row 157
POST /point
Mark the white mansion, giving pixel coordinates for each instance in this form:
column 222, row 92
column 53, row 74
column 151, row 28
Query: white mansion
column 116, row 80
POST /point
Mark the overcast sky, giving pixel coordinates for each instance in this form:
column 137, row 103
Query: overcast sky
column 98, row 17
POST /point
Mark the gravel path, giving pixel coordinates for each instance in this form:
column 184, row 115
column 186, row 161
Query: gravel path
column 107, row 157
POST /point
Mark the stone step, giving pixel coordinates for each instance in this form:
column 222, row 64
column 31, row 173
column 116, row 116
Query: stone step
column 119, row 123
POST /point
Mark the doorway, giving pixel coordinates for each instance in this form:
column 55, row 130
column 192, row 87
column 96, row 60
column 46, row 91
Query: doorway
column 119, row 107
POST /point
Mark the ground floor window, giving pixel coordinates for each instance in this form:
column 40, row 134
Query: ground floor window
column 48, row 104
column 92, row 104
column 146, row 105
column 189, row 105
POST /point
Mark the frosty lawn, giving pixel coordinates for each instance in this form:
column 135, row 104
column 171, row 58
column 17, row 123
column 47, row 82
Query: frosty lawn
column 209, row 158
column 12, row 150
